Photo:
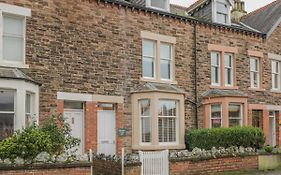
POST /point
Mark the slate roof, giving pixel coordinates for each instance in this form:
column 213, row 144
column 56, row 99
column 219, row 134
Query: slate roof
column 14, row 73
column 158, row 87
column 223, row 93
column 266, row 18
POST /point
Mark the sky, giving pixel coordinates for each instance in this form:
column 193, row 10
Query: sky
column 250, row 4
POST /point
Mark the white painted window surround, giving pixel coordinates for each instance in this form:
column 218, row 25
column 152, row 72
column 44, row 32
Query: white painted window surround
column 218, row 12
column 163, row 5
column 12, row 31
column 275, row 72
column 20, row 89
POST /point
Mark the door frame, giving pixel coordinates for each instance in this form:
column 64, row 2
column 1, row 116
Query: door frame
column 83, row 124
column 274, row 127
column 115, row 130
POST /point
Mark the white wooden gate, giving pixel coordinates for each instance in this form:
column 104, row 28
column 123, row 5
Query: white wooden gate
column 154, row 163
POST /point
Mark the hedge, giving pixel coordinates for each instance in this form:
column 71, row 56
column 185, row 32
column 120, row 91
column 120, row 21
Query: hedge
column 224, row 137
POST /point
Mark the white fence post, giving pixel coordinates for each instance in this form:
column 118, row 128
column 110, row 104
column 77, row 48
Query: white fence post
column 91, row 159
column 123, row 157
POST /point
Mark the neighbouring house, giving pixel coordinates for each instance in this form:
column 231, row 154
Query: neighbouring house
column 137, row 73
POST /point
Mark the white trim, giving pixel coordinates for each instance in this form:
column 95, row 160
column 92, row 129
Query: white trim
column 16, row 10
column 228, row 3
column 167, row 6
column 74, row 96
column 274, row 56
column 89, row 97
column 273, row 107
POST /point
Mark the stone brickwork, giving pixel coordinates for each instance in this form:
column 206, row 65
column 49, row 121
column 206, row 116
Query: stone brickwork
column 94, row 47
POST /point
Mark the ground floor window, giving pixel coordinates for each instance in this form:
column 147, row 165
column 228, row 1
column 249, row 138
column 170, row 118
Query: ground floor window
column 234, row 115
column 7, row 113
column 216, row 116
column 158, row 120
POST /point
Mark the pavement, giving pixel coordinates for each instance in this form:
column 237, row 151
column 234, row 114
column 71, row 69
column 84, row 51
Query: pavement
column 277, row 172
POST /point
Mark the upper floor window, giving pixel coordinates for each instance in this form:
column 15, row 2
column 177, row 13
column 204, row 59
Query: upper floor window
column 254, row 72
column 157, row 58
column 159, row 4
column 275, row 75
column 13, row 22
column 228, row 69
column 221, row 12
column 216, row 69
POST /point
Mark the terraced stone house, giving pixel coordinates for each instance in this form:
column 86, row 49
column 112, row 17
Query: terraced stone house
column 137, row 73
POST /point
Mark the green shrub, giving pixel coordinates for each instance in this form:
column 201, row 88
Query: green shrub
column 268, row 149
column 53, row 137
column 224, row 137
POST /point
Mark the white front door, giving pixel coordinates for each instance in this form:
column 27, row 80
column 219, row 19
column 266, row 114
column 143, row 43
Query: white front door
column 272, row 132
column 106, row 132
column 74, row 117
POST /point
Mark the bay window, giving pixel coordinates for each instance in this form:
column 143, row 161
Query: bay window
column 234, row 115
column 254, row 72
column 158, row 121
column 216, row 116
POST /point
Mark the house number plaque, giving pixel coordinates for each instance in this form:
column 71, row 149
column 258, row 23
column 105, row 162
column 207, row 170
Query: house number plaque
column 122, row 132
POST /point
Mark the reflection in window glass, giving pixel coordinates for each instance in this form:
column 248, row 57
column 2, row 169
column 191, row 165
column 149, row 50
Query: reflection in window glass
column 235, row 115
column 165, row 56
column 148, row 58
column 216, row 116
column 6, row 113
column 145, row 120
column 215, row 68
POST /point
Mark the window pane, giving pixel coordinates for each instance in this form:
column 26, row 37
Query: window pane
column 148, row 48
column 234, row 111
column 145, row 107
column 228, row 76
column 13, row 26
column 165, row 69
column 6, row 125
column 27, row 103
column 221, row 18
column 215, row 75
column 6, row 100
column 158, row 3
column 215, row 58
column 73, row 105
column 215, row 115
column 222, row 8
column 167, row 129
column 276, row 81
column 13, row 48
column 165, row 51
column 148, row 67
column 167, row 108
column 234, row 122
column 227, row 60
column 146, row 129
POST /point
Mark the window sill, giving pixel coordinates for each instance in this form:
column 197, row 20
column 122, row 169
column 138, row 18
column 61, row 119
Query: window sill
column 158, row 147
column 275, row 91
column 158, row 81
column 224, row 87
column 5, row 64
column 256, row 89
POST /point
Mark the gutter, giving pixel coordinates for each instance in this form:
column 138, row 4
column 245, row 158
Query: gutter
column 195, row 73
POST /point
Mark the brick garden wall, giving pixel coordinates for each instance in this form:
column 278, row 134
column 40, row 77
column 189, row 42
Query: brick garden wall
column 214, row 165
column 52, row 169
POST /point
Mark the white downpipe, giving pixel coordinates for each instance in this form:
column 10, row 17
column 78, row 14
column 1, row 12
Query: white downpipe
column 123, row 156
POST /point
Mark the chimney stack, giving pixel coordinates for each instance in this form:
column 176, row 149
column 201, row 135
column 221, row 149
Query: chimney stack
column 238, row 11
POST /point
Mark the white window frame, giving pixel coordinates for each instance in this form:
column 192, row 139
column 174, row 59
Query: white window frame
column 167, row 5
column 21, row 88
column 227, row 68
column 176, row 121
column 277, row 74
column 170, row 60
column 154, row 58
column 140, row 118
column 219, row 70
column 13, row 11
column 241, row 113
column 211, row 118
column 253, row 71
column 214, row 11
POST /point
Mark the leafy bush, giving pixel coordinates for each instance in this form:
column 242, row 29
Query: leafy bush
column 268, row 149
column 53, row 137
column 224, row 137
